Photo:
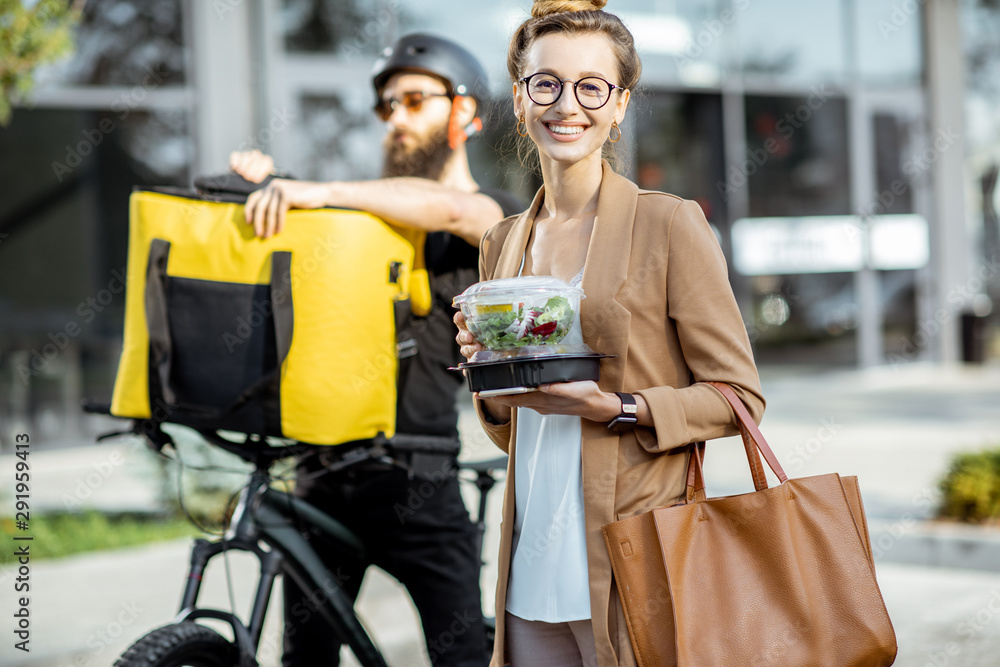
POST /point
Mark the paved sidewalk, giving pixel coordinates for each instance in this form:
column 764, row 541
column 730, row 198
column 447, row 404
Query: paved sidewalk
column 88, row 609
column 895, row 429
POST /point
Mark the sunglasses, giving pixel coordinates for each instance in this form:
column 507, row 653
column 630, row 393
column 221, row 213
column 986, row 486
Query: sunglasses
column 412, row 101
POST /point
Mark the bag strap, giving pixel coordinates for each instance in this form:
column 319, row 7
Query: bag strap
column 155, row 301
column 281, row 302
column 753, row 440
column 696, row 473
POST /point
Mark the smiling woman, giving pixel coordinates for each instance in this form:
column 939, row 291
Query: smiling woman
column 658, row 300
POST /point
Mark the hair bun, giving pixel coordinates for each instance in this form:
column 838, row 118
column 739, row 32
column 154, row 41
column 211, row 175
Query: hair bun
column 546, row 7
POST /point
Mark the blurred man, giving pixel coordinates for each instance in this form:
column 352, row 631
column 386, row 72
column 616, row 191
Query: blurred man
column 429, row 91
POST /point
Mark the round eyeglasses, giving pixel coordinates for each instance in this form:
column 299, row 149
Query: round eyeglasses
column 592, row 92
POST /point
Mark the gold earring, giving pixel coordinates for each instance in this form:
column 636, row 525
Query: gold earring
column 520, row 124
column 615, row 128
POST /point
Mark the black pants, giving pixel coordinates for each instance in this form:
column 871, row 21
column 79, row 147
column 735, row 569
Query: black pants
column 419, row 531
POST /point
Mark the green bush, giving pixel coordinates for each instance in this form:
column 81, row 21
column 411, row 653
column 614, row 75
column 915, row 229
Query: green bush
column 971, row 488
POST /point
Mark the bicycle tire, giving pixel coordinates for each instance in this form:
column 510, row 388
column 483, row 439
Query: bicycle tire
column 184, row 644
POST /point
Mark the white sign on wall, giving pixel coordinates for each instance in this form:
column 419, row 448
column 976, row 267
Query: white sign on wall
column 828, row 244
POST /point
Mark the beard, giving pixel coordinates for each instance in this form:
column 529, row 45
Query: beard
column 425, row 160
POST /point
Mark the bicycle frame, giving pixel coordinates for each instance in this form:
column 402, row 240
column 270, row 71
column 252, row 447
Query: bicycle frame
column 264, row 514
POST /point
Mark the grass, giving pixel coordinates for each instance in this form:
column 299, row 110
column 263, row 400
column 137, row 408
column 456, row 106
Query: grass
column 65, row 534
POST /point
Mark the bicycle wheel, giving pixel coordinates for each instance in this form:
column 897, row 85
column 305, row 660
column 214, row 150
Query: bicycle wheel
column 181, row 645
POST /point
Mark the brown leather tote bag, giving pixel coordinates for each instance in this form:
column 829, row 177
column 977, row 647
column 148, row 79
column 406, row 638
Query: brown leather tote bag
column 780, row 576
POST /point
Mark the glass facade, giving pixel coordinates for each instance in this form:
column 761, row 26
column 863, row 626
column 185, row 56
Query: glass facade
column 888, row 42
column 348, row 29
column 126, row 44
column 780, row 42
column 797, row 161
column 331, row 140
column 982, row 144
column 681, row 148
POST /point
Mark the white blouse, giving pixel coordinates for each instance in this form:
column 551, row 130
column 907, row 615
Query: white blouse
column 548, row 571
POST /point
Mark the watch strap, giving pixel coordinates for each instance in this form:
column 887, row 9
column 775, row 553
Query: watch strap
column 628, row 415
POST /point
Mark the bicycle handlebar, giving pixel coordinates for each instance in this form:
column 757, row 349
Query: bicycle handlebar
column 95, row 407
column 262, row 452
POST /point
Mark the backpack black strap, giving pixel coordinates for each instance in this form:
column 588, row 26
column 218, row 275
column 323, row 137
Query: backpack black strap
column 157, row 325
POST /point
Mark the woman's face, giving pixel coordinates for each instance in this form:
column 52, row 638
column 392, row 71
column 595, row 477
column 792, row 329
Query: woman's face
column 566, row 132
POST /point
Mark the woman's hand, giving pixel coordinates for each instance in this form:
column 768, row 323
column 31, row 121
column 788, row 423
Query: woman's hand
column 468, row 346
column 266, row 208
column 251, row 165
column 581, row 399
column 465, row 339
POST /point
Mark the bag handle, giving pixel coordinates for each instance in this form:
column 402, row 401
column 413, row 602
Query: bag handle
column 696, row 473
column 753, row 440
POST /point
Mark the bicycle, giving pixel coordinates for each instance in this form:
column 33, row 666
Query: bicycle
column 269, row 523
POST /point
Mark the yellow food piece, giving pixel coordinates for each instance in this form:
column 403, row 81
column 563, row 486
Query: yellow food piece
column 494, row 308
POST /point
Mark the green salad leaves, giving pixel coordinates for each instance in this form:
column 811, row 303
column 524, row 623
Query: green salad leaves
column 498, row 329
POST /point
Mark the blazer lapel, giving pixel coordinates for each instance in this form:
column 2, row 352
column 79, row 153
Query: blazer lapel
column 605, row 322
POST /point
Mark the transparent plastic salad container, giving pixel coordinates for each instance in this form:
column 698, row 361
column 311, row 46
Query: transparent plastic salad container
column 519, row 312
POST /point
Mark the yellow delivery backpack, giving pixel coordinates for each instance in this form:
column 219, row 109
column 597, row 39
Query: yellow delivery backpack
column 293, row 336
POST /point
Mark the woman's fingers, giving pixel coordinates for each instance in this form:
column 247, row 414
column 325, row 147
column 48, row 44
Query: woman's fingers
column 581, row 399
column 469, row 350
column 466, row 341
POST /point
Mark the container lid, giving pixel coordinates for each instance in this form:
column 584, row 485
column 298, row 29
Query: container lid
column 515, row 289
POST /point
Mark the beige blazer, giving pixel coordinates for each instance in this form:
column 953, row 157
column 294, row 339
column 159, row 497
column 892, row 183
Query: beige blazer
column 658, row 297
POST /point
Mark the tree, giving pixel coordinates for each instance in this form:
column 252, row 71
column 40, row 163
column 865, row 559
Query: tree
column 31, row 34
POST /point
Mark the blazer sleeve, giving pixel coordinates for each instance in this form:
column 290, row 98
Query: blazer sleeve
column 713, row 340
column 489, row 254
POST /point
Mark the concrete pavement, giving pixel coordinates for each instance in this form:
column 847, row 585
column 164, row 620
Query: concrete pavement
column 894, row 428
column 89, row 608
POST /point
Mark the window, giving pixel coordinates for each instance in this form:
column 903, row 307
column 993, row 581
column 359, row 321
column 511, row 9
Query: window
column 796, row 161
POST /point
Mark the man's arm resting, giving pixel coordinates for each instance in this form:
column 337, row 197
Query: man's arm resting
column 421, row 204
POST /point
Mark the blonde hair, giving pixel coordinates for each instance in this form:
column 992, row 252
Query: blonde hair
column 573, row 17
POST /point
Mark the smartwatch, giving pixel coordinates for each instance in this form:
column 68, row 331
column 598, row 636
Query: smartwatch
column 627, row 417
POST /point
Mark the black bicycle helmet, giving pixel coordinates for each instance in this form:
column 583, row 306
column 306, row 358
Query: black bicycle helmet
column 428, row 54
